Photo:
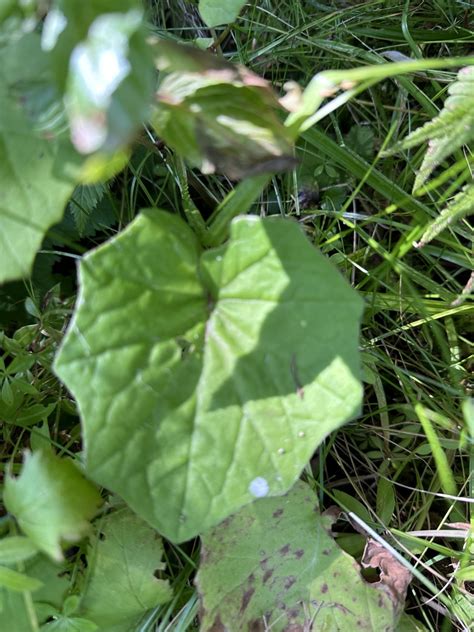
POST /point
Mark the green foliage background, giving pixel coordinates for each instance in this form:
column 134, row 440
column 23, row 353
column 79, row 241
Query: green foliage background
column 202, row 361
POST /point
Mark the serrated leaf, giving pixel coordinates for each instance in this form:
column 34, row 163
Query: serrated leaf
column 215, row 375
column 16, row 549
column 361, row 140
column 122, row 562
column 217, row 12
column 33, row 176
column 452, row 128
column 220, row 117
column 51, row 500
column 275, row 565
column 460, row 206
column 83, row 202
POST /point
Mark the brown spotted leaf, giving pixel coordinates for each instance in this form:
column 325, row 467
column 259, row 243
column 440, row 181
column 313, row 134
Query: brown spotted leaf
column 275, row 565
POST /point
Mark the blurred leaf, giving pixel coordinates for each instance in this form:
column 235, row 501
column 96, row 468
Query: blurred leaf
column 19, row 582
column 221, row 118
column 51, row 501
column 102, row 166
column 16, row 549
column 103, row 65
column 34, row 176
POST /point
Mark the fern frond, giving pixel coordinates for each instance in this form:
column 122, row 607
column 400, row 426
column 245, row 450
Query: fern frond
column 447, row 132
column 460, row 206
column 83, row 201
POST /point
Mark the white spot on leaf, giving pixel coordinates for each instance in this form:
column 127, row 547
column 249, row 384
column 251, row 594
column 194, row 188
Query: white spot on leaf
column 259, row 487
column 100, row 72
column 54, row 24
column 97, row 67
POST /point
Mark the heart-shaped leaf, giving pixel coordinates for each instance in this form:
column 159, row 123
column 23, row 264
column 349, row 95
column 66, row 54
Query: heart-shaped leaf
column 206, row 380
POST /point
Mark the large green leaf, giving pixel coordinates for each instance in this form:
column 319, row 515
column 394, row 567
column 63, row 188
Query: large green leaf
column 275, row 565
column 34, row 181
column 122, row 567
column 51, row 500
column 205, row 380
column 216, row 12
